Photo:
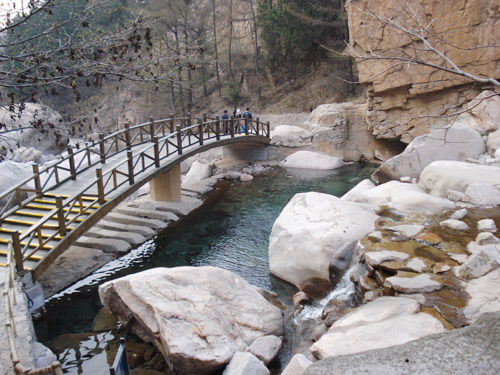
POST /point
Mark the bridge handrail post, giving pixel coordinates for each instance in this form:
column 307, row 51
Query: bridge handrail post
column 60, row 217
column 231, row 126
column 36, row 178
column 72, row 163
column 127, row 134
column 156, row 152
column 171, row 123
column 189, row 123
column 179, row 139
column 217, row 128
column 102, row 150
column 152, row 128
column 246, row 125
column 130, row 162
column 18, row 256
column 100, row 185
column 200, row 131
column 268, row 129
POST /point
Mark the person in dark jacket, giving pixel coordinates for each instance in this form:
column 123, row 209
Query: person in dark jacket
column 247, row 114
column 225, row 118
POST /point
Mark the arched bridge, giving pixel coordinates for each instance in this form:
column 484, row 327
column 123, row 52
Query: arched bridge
column 44, row 214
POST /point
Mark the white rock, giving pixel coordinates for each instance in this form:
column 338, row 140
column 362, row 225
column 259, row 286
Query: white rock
column 481, row 262
column 381, row 309
column 266, row 348
column 375, row 236
column 455, row 142
column 483, row 112
column 484, row 295
column 44, row 140
column 487, row 238
column 398, row 330
column 246, row 177
column 406, row 179
column 406, row 230
column 26, row 154
column 486, row 225
column 454, row 224
column 43, row 355
column 202, row 315
column 13, row 173
column 406, row 198
column 297, row 365
column 359, row 188
column 198, row 171
column 459, row 214
column 312, row 160
column 441, row 176
column 245, row 364
column 416, row 264
column 460, row 258
column 493, row 143
column 419, row 284
column 482, row 195
column 374, row 258
column 315, row 232
column 291, row 136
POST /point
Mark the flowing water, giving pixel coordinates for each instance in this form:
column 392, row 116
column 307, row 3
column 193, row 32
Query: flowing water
column 231, row 230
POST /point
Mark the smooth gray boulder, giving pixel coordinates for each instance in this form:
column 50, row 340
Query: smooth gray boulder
column 245, row 364
column 197, row 317
column 442, row 176
column 405, row 198
column 484, row 296
column 266, row 348
column 291, row 136
column 453, row 142
column 482, row 261
column 315, row 235
column 297, row 365
column 493, row 142
column 454, row 225
column 198, row 172
column 422, row 283
column 312, row 160
column 465, row 351
column 487, row 225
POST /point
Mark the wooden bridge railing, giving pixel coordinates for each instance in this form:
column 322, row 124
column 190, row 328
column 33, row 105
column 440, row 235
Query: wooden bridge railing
column 165, row 137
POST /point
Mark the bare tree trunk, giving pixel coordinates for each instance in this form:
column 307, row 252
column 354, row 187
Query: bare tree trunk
column 230, row 41
column 179, row 72
column 215, row 47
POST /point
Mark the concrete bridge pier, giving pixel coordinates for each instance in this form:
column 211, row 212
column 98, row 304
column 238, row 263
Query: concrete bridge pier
column 166, row 187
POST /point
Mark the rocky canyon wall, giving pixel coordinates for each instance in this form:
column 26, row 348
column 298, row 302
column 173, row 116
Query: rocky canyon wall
column 405, row 98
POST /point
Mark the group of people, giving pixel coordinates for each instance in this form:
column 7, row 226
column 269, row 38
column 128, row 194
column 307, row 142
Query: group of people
column 237, row 114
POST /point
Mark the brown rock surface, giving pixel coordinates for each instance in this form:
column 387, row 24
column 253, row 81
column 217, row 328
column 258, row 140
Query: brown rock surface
column 400, row 94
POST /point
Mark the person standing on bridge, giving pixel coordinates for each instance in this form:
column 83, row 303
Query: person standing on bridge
column 247, row 115
column 225, row 118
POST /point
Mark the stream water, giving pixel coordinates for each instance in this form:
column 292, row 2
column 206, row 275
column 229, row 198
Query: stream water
column 231, row 230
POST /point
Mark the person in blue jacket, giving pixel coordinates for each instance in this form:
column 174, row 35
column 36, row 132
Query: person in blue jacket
column 247, row 115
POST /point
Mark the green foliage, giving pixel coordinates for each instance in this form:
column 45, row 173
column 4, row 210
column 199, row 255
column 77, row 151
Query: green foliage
column 234, row 92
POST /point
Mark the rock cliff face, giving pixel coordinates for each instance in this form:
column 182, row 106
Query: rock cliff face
column 406, row 99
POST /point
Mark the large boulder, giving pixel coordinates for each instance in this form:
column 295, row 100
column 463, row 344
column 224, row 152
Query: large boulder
column 312, row 160
column 385, row 322
column 198, row 317
column 493, row 142
column 484, row 296
column 442, row 176
column 402, row 197
column 483, row 113
column 314, row 237
column 291, row 136
column 198, row 171
column 454, row 142
column 42, row 129
column 454, row 352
